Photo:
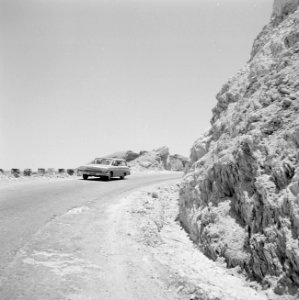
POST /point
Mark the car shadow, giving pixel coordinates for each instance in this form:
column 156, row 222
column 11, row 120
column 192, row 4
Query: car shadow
column 102, row 179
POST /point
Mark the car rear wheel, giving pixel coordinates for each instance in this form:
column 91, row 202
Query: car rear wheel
column 85, row 177
column 123, row 176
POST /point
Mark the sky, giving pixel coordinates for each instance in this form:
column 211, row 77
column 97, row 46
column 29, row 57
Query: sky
column 85, row 78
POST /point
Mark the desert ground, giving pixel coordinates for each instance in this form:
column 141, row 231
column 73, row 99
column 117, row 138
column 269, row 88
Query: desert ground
column 125, row 243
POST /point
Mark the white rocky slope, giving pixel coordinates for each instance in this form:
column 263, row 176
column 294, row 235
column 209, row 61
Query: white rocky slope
column 240, row 198
column 155, row 160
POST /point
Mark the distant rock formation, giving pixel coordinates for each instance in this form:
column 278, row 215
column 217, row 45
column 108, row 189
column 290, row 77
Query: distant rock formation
column 239, row 199
column 157, row 159
column 152, row 160
column 177, row 162
column 127, row 155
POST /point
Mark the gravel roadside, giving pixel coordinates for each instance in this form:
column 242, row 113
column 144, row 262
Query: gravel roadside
column 152, row 223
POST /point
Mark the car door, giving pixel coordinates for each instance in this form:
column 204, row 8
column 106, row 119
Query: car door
column 123, row 168
column 117, row 168
column 113, row 168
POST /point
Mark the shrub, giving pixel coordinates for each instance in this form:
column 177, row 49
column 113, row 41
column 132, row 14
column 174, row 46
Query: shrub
column 70, row 171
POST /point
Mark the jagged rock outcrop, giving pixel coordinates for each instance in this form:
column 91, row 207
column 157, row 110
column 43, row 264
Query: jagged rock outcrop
column 177, row 162
column 199, row 148
column 128, row 155
column 239, row 199
column 157, row 160
column 282, row 8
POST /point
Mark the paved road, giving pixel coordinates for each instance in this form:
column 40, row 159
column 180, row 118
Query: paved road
column 89, row 240
column 27, row 207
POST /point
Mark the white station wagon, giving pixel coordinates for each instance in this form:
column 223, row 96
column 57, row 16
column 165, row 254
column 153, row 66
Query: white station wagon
column 105, row 168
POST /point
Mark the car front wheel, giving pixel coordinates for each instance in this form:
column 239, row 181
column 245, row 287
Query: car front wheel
column 85, row 177
column 108, row 177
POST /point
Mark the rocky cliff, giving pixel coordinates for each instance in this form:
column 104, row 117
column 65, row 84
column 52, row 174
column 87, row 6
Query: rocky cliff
column 157, row 160
column 239, row 199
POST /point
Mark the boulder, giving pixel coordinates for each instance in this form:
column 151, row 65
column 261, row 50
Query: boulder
column 70, row 172
column 27, row 172
column 177, row 162
column 41, row 171
column 199, row 148
column 15, row 172
column 51, row 171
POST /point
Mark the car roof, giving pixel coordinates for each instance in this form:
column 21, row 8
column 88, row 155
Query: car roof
column 110, row 158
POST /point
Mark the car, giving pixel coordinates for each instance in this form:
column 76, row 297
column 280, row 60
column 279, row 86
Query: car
column 105, row 168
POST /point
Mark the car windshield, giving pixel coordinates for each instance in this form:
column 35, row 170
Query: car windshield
column 102, row 161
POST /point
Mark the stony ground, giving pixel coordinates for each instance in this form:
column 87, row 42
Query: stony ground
column 152, row 224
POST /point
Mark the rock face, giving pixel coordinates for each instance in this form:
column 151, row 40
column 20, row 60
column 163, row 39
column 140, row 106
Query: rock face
column 177, row 162
column 282, row 8
column 157, row 160
column 239, row 199
column 154, row 160
column 127, row 155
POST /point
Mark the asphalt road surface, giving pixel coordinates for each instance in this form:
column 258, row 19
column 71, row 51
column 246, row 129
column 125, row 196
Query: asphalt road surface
column 27, row 209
